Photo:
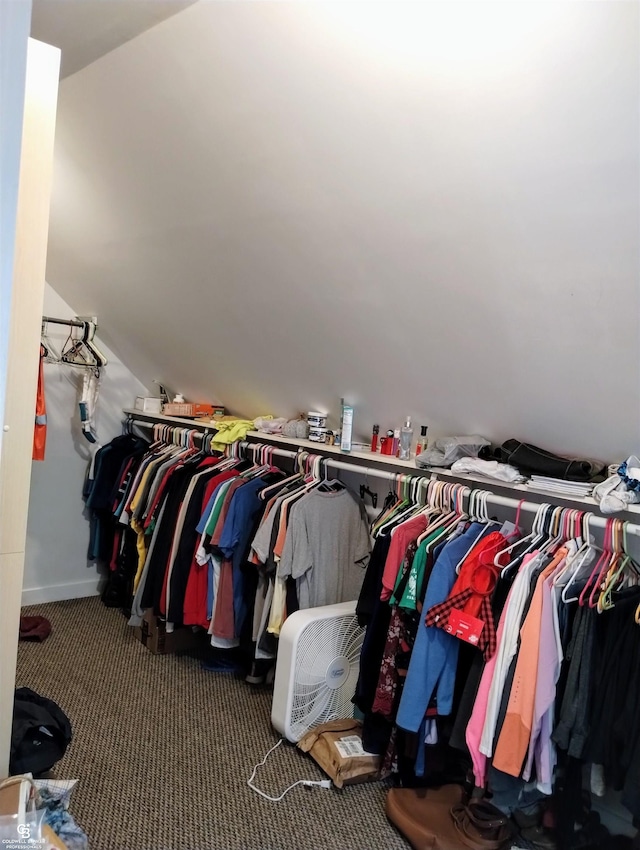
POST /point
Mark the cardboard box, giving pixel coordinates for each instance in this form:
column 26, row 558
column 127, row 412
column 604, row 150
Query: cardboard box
column 13, row 798
column 153, row 634
column 189, row 409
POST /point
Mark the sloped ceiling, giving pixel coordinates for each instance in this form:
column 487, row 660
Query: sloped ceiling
column 87, row 29
column 426, row 208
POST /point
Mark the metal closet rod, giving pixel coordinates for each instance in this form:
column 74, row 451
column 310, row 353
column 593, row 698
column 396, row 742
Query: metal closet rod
column 493, row 498
column 356, row 468
column 72, row 323
column 142, row 423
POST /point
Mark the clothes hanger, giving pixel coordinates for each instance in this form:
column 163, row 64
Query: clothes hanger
column 396, row 513
column 602, row 561
column 389, row 500
column 445, row 519
column 556, row 538
column 272, row 488
column 532, row 540
column 333, row 483
column 564, row 527
column 605, row 601
column 78, row 351
column 418, row 506
column 609, row 568
column 392, row 505
column 50, row 355
column 510, row 546
column 88, row 335
column 482, row 500
column 586, row 551
column 508, row 549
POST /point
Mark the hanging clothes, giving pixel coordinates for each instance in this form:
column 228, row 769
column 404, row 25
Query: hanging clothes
column 40, row 428
column 327, row 548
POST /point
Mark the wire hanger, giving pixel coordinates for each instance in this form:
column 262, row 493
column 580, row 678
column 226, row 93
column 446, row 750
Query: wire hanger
column 81, row 350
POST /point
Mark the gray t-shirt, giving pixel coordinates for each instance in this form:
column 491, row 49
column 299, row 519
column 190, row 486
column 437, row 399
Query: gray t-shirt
column 326, row 548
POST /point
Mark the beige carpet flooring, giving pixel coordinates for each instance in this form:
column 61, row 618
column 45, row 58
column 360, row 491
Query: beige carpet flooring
column 163, row 750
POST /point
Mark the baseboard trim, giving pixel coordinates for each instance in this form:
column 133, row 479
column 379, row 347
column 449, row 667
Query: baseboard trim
column 60, row 592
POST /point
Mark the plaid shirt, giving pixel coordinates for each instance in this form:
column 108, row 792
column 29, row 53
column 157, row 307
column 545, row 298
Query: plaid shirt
column 439, row 616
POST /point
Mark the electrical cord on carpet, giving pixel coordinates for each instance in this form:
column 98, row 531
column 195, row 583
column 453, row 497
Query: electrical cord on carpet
column 322, row 783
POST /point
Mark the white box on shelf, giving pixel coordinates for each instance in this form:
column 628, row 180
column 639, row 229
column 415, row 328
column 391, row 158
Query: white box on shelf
column 148, row 404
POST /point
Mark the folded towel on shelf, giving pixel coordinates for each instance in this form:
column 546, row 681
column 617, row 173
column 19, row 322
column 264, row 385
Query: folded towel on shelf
column 560, row 486
column 488, row 469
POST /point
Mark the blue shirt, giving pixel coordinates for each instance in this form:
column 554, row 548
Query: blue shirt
column 236, row 532
column 434, row 658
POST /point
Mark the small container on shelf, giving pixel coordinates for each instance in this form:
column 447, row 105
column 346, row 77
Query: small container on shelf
column 422, row 441
column 148, row 404
column 316, row 420
column 318, row 435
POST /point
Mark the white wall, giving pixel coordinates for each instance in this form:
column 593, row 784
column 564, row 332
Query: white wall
column 15, row 18
column 428, row 208
column 56, row 565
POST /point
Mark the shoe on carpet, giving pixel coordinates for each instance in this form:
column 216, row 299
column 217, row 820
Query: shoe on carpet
column 262, row 672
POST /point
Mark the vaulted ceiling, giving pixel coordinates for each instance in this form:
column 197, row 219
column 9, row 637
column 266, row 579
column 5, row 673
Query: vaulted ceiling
column 85, row 30
column 425, row 208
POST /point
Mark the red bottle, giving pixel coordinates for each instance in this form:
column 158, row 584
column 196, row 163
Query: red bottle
column 374, row 438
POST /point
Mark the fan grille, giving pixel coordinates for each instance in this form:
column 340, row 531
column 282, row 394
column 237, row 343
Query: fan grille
column 320, row 645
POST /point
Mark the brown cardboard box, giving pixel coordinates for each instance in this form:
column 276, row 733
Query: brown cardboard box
column 188, row 409
column 10, row 798
column 153, row 634
column 337, row 747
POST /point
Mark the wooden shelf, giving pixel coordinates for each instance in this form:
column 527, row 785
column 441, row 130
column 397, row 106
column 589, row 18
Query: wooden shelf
column 393, row 464
column 198, row 424
column 361, row 460
column 330, row 451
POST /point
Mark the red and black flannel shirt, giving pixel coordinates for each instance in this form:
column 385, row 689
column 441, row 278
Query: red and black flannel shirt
column 472, row 591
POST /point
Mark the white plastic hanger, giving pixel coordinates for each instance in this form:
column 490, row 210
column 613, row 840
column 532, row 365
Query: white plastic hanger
column 535, row 538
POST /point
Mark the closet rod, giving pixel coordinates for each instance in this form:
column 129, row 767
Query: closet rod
column 362, row 469
column 493, row 498
column 183, row 424
column 72, row 323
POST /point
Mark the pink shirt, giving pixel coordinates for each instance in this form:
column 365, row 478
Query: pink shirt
column 479, row 713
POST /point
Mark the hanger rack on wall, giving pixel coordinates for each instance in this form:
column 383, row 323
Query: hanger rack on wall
column 71, row 323
column 80, row 348
column 365, row 465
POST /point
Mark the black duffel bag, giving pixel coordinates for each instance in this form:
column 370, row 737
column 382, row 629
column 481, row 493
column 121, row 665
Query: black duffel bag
column 40, row 734
column 532, row 460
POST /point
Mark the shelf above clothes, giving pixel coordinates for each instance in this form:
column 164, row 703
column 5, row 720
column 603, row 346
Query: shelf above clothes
column 161, row 419
column 373, row 460
column 378, row 465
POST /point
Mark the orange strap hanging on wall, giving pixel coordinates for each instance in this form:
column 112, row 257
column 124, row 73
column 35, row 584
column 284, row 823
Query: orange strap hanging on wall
column 40, row 431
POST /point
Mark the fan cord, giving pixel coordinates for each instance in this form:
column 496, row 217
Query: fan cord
column 324, row 783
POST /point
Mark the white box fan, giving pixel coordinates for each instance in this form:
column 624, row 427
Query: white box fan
column 317, row 668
